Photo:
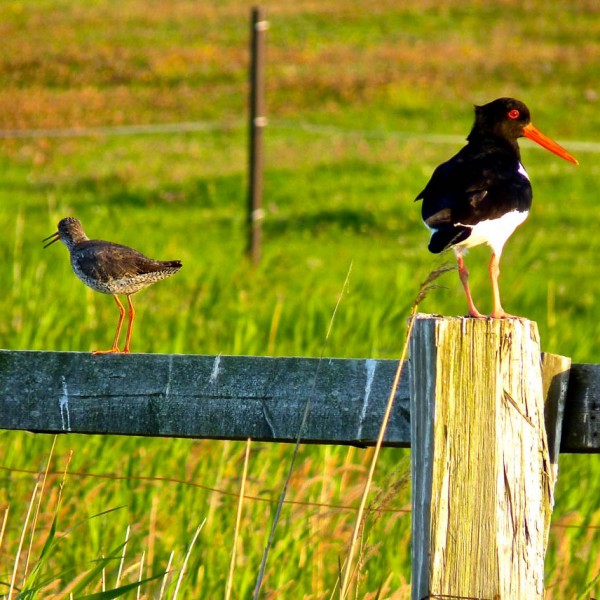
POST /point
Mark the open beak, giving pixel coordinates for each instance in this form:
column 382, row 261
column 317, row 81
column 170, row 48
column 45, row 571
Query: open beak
column 529, row 131
column 53, row 238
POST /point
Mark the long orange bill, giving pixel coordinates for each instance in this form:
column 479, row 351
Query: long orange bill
column 53, row 238
column 537, row 136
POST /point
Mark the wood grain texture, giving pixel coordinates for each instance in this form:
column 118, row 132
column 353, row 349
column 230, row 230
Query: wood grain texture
column 555, row 382
column 477, row 405
column 170, row 395
column 222, row 397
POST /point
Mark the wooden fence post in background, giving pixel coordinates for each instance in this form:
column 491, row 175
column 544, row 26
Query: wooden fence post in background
column 483, row 478
column 257, row 122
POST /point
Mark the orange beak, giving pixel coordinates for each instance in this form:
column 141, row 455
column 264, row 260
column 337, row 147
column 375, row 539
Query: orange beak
column 529, row 131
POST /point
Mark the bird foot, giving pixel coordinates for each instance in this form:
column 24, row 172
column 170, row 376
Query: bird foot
column 502, row 314
column 474, row 314
column 113, row 350
column 496, row 314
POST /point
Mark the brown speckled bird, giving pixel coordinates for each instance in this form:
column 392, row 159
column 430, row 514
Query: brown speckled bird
column 111, row 269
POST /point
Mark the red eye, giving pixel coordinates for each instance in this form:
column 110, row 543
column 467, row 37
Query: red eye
column 514, row 114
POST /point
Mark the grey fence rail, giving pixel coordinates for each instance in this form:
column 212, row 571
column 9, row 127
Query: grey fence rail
column 235, row 397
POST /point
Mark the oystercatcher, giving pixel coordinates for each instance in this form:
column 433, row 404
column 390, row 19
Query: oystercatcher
column 483, row 193
column 111, row 269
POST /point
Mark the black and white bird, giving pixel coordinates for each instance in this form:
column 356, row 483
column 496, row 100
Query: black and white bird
column 483, row 193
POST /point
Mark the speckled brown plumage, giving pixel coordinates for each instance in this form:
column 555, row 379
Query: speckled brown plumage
column 111, row 269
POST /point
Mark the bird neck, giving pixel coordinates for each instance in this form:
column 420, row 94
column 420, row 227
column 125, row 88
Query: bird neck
column 70, row 241
column 490, row 140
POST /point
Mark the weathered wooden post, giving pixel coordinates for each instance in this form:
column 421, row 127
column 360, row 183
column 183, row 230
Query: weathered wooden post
column 482, row 467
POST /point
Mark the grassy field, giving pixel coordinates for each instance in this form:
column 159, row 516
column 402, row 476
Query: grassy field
column 356, row 97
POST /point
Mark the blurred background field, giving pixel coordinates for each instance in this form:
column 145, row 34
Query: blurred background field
column 363, row 102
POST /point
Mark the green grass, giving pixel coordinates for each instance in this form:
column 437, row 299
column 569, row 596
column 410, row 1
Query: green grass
column 378, row 81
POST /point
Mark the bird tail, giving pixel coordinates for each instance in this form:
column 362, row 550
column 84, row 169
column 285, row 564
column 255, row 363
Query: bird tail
column 172, row 264
column 446, row 237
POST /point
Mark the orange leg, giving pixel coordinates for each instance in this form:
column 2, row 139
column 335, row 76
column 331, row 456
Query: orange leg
column 130, row 325
column 464, row 278
column 115, row 346
column 498, row 312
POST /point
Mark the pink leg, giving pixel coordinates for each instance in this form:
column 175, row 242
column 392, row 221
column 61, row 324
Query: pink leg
column 115, row 346
column 464, row 278
column 498, row 312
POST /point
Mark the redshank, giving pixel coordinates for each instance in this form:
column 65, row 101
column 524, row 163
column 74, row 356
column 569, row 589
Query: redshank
column 111, row 269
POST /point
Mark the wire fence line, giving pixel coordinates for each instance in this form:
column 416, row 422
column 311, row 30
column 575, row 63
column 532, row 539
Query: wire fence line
column 202, row 126
column 119, row 130
column 175, row 481
column 189, row 483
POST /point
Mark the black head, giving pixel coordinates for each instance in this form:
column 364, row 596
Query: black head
column 508, row 119
column 504, row 117
column 70, row 232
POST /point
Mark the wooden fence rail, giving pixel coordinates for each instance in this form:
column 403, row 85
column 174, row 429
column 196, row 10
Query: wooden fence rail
column 235, row 397
column 483, row 412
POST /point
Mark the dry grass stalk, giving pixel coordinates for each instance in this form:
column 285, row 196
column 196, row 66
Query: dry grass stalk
column 269, row 543
column 140, row 575
column 186, row 558
column 21, row 540
column 152, row 533
column 163, row 585
column 120, row 571
column 349, row 570
column 3, row 529
column 238, row 520
column 37, row 510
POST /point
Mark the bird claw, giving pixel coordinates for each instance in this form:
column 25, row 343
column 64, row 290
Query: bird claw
column 114, row 350
column 496, row 314
column 502, row 315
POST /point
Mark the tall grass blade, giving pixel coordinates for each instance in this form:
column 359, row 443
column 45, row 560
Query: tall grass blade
column 185, row 560
column 102, row 513
column 120, row 591
column 163, row 585
column 238, row 520
column 3, row 528
column 35, row 517
column 585, row 593
column 424, row 289
column 32, row 584
column 283, row 494
column 122, row 561
column 95, row 572
column 275, row 320
column 140, row 573
column 152, row 529
column 21, row 540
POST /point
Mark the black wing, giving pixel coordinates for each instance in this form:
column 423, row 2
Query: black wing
column 475, row 185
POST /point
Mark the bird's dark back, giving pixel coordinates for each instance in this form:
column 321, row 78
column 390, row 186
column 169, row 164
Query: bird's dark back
column 481, row 182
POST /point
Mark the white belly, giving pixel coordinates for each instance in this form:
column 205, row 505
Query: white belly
column 493, row 232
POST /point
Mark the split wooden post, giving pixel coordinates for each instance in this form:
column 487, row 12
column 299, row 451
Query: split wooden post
column 483, row 472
